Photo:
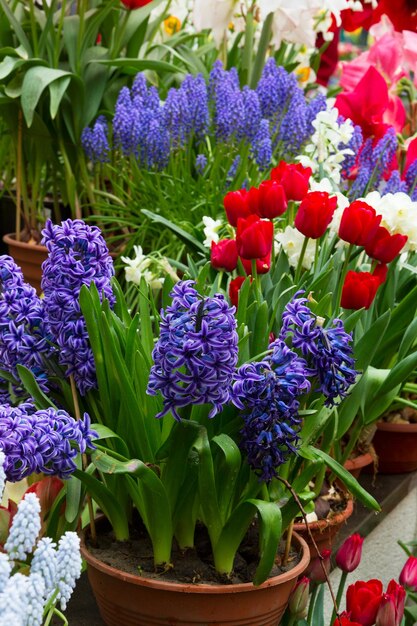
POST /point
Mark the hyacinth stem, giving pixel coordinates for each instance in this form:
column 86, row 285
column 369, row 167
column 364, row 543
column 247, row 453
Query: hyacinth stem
column 19, row 173
column 288, row 543
column 300, row 260
column 85, row 463
column 340, row 591
column 321, row 559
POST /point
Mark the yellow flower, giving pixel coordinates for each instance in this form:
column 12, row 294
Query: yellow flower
column 172, row 25
column 303, row 74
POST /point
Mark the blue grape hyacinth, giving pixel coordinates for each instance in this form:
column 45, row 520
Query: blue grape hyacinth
column 196, row 354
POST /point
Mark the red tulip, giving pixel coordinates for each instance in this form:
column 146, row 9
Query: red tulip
column 224, row 255
column 363, row 600
column 262, row 265
column 254, row 237
column 345, row 620
column 315, row 214
column 384, row 247
column 359, row 290
column 298, row 602
column 253, row 200
column 236, row 205
column 47, row 490
column 315, row 570
column 391, row 609
column 359, row 222
column 294, row 178
column 6, row 519
column 380, row 272
column 408, row 576
column 349, row 554
column 272, row 199
column 234, row 288
column 366, row 104
column 135, row 4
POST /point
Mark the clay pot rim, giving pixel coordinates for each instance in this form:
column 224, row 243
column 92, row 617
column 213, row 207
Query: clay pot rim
column 322, row 524
column 143, row 581
column 399, row 428
column 10, row 240
column 362, row 460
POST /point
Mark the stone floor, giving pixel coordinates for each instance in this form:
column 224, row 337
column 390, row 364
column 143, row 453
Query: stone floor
column 382, row 557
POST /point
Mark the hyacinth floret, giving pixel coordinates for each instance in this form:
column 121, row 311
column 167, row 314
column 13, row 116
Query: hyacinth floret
column 68, row 566
column 328, row 351
column 200, row 164
column 25, row 528
column 44, row 441
column 353, row 146
column 24, row 332
column 273, row 90
column 77, row 256
column 267, row 392
column 196, row 353
column 262, row 146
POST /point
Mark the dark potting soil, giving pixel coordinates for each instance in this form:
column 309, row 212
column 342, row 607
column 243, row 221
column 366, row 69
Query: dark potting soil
column 189, row 566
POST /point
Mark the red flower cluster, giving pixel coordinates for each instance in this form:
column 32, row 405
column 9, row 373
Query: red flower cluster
column 367, row 605
column 360, row 225
column 250, row 213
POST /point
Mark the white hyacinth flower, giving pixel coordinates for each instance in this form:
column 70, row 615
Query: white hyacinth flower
column 25, row 528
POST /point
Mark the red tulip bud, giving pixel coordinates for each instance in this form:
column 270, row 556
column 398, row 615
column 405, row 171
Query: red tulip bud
column 315, row 214
column 408, row 576
column 315, row 570
column 294, row 178
column 272, row 199
column 298, row 602
column 254, row 237
column 349, row 554
column 344, row 620
column 234, row 289
column 384, row 247
column 236, row 205
column 135, row 4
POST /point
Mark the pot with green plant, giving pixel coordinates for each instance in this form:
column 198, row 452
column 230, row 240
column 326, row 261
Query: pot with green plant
column 50, row 58
column 176, row 458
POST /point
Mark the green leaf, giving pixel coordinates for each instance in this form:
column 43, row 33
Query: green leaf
column 57, row 91
column 262, row 50
column 408, row 340
column 109, row 465
column 368, row 344
column 207, row 488
column 131, row 66
column 227, row 473
column 20, row 34
column 182, row 234
column 34, row 83
column 270, row 524
column 73, row 495
column 42, row 401
column 318, row 611
column 399, row 373
column 348, row 480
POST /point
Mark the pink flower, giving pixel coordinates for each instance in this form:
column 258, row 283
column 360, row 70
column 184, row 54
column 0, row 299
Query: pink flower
column 366, row 104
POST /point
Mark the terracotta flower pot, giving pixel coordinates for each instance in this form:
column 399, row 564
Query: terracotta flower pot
column 29, row 257
column 324, row 531
column 356, row 465
column 128, row 600
column 396, row 447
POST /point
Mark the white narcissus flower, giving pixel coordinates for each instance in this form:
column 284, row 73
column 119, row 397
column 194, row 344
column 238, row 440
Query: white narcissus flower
column 214, row 14
column 291, row 241
column 211, row 227
column 399, row 215
column 139, row 267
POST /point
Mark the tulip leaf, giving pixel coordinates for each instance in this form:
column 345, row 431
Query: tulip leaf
column 368, row 344
column 318, row 611
column 399, row 373
column 182, row 234
column 20, row 34
column 73, row 495
column 57, row 91
column 34, row 83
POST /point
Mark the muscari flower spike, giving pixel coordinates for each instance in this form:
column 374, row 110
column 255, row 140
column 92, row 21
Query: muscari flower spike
column 45, row 441
column 196, row 353
column 77, row 256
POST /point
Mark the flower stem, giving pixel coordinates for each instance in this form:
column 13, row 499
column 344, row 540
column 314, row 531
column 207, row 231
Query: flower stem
column 300, row 260
column 342, row 279
column 339, row 595
column 84, row 462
